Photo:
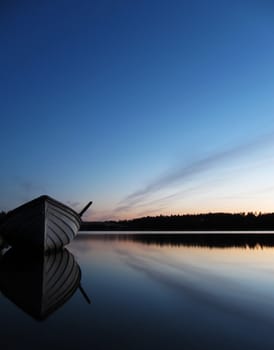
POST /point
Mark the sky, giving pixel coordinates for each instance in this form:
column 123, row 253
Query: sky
column 144, row 107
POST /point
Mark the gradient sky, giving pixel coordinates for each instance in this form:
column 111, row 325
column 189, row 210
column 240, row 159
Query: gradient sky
column 144, row 107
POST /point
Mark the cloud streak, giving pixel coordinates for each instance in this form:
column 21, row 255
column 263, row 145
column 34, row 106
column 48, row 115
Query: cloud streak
column 184, row 172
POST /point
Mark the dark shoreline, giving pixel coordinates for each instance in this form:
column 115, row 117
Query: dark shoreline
column 199, row 222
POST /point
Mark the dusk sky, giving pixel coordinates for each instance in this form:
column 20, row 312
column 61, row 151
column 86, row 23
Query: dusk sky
column 145, row 107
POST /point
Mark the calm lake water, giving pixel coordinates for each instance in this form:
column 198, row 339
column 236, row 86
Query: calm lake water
column 144, row 294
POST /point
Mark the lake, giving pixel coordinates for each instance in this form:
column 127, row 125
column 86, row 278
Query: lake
column 140, row 292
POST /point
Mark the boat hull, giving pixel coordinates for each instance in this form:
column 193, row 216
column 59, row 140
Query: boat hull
column 44, row 224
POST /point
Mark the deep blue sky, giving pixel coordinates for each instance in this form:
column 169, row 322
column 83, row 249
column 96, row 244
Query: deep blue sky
column 144, row 106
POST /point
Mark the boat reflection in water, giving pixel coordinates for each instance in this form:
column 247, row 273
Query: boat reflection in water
column 39, row 285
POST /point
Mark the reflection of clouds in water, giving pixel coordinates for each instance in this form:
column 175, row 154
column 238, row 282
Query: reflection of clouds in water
column 197, row 285
column 159, row 260
column 186, row 291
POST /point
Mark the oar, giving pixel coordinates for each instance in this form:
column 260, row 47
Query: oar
column 84, row 294
column 85, row 209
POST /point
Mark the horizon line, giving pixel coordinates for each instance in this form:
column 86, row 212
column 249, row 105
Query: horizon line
column 243, row 213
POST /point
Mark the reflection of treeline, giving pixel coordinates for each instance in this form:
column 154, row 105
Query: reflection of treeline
column 209, row 240
column 211, row 221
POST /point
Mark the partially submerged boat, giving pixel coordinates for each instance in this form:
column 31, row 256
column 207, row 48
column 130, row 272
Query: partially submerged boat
column 43, row 224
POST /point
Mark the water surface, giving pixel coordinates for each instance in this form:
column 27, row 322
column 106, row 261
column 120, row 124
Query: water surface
column 145, row 294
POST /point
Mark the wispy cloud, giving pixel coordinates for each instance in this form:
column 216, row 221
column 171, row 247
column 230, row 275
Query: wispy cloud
column 183, row 172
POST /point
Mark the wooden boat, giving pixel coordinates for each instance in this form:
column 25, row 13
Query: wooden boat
column 39, row 285
column 43, row 224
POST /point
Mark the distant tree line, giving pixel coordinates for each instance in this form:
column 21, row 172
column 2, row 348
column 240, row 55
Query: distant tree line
column 210, row 221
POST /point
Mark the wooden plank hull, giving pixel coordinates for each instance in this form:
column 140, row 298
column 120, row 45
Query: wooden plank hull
column 44, row 224
column 39, row 285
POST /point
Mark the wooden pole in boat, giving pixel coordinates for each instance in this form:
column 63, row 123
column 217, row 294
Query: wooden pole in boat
column 85, row 209
column 84, row 294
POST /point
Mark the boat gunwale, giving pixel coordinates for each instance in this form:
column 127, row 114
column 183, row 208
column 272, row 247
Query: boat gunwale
column 44, row 199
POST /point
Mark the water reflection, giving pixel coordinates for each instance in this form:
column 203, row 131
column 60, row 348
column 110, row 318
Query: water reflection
column 179, row 291
column 39, row 285
column 150, row 295
column 209, row 240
